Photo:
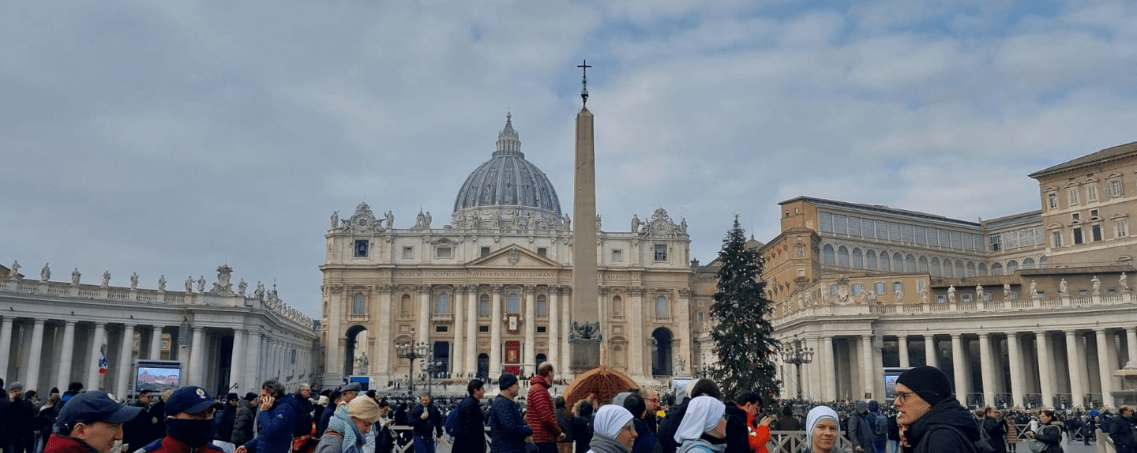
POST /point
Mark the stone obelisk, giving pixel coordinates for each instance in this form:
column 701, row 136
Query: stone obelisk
column 584, row 335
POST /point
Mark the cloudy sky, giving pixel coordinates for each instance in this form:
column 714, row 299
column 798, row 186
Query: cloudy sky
column 167, row 138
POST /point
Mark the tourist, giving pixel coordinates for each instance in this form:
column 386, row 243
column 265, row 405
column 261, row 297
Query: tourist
column 20, row 418
column 582, row 425
column 822, row 430
column 347, row 429
column 646, row 441
column 227, row 419
column 140, row 431
column 996, row 429
column 565, row 420
column 243, row 422
column 426, row 420
column 470, row 433
column 1051, row 436
column 703, row 428
column 926, row 404
column 861, row 428
column 189, row 423
column 540, row 413
column 508, row 431
column 274, row 421
column 90, row 422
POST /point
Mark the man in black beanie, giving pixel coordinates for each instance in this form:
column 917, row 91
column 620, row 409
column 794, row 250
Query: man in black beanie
column 508, row 431
column 930, row 418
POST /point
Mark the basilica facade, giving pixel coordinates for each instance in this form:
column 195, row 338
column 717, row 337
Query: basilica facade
column 489, row 290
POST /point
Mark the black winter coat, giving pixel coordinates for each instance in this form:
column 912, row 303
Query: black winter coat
column 946, row 427
column 470, row 435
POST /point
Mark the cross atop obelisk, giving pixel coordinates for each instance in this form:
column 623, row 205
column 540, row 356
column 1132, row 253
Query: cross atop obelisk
column 584, row 81
column 585, row 336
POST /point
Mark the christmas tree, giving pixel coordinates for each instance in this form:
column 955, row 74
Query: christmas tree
column 743, row 338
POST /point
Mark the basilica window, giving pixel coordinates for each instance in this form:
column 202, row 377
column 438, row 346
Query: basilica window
column 994, row 240
column 1095, row 232
column 661, row 310
column 941, row 299
column 1078, row 236
column 897, row 287
column 542, row 306
column 617, row 256
column 513, row 304
column 358, row 305
column 1052, row 200
column 661, row 252
column 843, row 256
column 485, row 252
column 405, row 305
column 1121, row 228
column 541, row 251
column 484, row 305
column 444, row 252
column 617, row 306
column 1115, row 187
column 1012, row 266
column 996, row 269
column 1072, row 195
column 828, row 256
column 966, row 298
column 442, row 304
column 408, row 252
column 878, row 288
column 1056, row 238
column 858, row 288
column 1091, row 192
column 361, row 248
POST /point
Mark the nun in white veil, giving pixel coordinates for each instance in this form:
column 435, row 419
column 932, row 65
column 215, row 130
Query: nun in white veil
column 703, row 427
column 613, row 431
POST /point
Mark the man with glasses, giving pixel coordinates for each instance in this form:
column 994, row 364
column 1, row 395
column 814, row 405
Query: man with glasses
column 930, row 417
column 651, row 398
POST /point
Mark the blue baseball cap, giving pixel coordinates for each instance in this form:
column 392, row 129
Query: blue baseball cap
column 191, row 400
column 91, row 407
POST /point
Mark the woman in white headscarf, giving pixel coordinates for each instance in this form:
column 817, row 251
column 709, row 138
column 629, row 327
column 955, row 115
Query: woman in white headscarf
column 613, row 431
column 822, row 431
column 703, row 428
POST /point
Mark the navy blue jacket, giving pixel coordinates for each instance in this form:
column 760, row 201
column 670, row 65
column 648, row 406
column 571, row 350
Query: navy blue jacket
column 507, row 427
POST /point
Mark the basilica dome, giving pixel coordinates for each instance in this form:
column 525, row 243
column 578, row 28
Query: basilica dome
column 508, row 180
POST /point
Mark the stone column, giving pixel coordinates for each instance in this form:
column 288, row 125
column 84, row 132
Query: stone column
column 902, row 350
column 636, row 338
column 867, row 375
column 825, row 353
column 424, row 314
column 1045, row 373
column 931, row 355
column 67, row 355
column 237, row 359
column 334, row 351
column 93, row 380
column 530, row 349
column 495, row 333
column 253, row 365
column 959, row 364
column 1130, row 343
column 472, row 331
column 987, row 366
column 1018, row 384
column 155, row 343
column 585, row 276
column 1105, row 368
column 1077, row 389
column 124, row 361
column 555, row 330
column 459, row 351
column 566, row 309
column 381, row 353
column 34, row 355
column 197, row 357
column 6, row 343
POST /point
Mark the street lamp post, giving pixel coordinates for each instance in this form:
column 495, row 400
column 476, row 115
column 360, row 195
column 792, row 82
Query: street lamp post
column 412, row 351
column 429, row 367
column 798, row 356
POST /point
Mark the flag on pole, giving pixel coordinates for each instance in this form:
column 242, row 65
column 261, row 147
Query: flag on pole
column 102, row 363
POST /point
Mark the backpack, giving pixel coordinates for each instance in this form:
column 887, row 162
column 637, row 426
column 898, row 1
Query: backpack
column 880, row 425
column 451, row 425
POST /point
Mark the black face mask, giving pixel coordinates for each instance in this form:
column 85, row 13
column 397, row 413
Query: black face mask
column 195, row 433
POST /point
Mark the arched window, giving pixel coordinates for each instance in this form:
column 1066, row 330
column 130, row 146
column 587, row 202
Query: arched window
column 947, row 269
column 935, row 270
column 897, row 262
column 959, row 269
column 870, row 260
column 858, row 259
column 885, row 263
column 982, row 269
column 358, row 304
column 922, row 264
column 442, row 304
column 484, row 305
column 996, row 269
column 405, row 305
column 1012, row 266
column 617, row 306
column 513, row 304
column 1028, row 263
column 542, row 306
column 843, row 256
column 827, row 255
column 970, row 269
column 910, row 263
column 661, row 310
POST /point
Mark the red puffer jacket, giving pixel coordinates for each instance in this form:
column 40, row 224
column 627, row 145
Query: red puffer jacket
column 540, row 413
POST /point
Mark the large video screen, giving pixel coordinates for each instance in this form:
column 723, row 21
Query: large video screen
column 890, row 376
column 155, row 377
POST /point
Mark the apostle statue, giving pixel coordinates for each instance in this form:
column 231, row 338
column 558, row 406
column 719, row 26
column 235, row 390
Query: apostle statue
column 1006, row 291
column 1033, row 289
column 978, row 293
column 635, row 223
column 1123, row 282
column 335, row 220
column 134, row 280
column 45, row 273
column 201, row 284
column 241, row 286
column 106, row 279
column 1062, row 288
column 1096, row 285
column 259, row 293
column 15, row 272
column 75, row 276
column 189, row 284
column 951, row 294
column 161, row 283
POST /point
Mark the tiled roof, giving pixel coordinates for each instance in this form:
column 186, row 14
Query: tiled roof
column 1089, row 159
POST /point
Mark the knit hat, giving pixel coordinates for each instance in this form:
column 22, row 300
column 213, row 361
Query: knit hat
column 365, row 409
column 250, row 396
column 929, row 382
column 506, row 381
column 816, row 415
column 232, row 397
column 16, row 386
column 874, row 406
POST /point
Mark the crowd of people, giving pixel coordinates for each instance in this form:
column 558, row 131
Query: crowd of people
column 925, row 417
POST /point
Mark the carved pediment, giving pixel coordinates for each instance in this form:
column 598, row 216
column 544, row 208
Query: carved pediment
column 363, row 221
column 514, row 256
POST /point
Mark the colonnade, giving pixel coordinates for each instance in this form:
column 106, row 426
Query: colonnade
column 1052, row 367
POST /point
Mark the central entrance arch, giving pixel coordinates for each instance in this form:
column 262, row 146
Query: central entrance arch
column 661, row 352
column 349, row 359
